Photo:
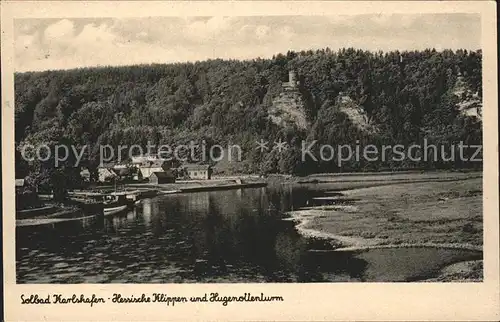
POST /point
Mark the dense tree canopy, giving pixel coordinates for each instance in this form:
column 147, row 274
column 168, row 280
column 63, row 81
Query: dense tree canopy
column 407, row 96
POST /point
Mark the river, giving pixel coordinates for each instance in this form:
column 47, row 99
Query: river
column 224, row 236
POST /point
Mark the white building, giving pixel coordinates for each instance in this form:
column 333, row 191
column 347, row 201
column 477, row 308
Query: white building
column 198, row 171
column 106, row 174
column 147, row 168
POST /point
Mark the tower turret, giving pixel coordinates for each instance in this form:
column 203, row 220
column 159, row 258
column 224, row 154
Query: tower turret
column 292, row 77
column 292, row 81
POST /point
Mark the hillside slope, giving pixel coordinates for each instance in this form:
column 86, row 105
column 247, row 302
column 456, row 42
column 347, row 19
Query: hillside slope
column 225, row 102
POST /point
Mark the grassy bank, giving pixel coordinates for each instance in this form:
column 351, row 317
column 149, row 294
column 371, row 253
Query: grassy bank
column 429, row 212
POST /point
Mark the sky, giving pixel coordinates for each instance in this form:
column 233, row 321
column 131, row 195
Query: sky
column 48, row 44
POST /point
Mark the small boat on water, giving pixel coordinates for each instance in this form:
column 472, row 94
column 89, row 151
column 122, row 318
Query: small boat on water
column 36, row 212
column 46, row 197
column 113, row 210
column 48, row 221
column 119, row 198
column 169, row 192
column 116, row 202
column 132, row 195
column 149, row 193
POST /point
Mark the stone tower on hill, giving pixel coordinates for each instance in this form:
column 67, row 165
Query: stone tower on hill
column 292, row 83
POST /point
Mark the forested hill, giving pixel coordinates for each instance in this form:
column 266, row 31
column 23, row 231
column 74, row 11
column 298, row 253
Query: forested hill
column 405, row 96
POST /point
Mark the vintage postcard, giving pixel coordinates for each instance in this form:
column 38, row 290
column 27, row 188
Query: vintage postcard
column 305, row 160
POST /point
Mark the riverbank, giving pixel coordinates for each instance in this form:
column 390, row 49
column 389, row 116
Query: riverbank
column 183, row 186
column 343, row 181
column 433, row 211
column 335, row 181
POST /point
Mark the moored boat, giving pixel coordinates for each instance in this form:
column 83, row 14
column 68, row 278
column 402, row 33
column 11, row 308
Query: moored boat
column 132, row 195
column 148, row 193
column 114, row 210
column 168, row 192
column 120, row 198
column 49, row 221
column 36, row 212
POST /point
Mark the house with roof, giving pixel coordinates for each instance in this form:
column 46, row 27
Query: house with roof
column 162, row 177
column 85, row 174
column 20, row 185
column 106, row 173
column 148, row 167
column 122, row 172
column 198, row 171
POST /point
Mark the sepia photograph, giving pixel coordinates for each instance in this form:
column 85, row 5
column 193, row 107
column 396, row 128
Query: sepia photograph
column 246, row 149
column 221, row 149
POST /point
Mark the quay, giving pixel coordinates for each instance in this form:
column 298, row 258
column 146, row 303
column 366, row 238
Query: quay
column 223, row 187
column 133, row 195
column 148, row 190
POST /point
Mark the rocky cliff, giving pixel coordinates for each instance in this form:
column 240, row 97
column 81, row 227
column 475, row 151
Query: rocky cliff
column 470, row 102
column 355, row 113
column 289, row 108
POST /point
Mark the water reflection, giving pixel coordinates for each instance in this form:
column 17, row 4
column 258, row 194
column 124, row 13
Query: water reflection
column 223, row 236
